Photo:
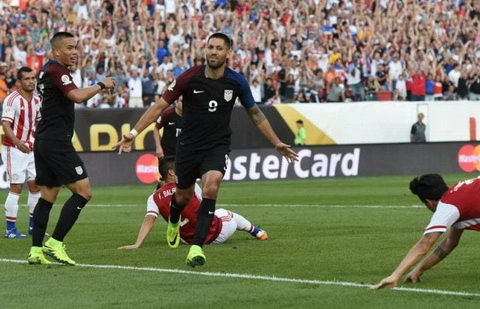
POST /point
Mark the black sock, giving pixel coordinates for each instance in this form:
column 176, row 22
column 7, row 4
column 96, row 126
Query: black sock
column 204, row 220
column 175, row 210
column 41, row 214
column 69, row 214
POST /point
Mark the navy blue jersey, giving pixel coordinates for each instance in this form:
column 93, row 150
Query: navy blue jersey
column 58, row 112
column 170, row 121
column 207, row 106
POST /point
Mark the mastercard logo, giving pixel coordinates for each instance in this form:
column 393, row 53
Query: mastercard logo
column 469, row 158
column 146, row 168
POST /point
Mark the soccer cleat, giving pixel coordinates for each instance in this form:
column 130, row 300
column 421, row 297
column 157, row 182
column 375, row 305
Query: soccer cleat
column 13, row 233
column 261, row 235
column 57, row 252
column 173, row 234
column 195, row 256
column 37, row 257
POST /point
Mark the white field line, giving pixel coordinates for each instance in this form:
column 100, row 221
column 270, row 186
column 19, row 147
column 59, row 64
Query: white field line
column 254, row 277
column 268, row 206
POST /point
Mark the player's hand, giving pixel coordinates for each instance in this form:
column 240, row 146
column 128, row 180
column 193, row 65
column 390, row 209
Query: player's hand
column 413, row 276
column 125, row 145
column 24, row 146
column 389, row 282
column 287, row 152
column 109, row 82
column 128, row 247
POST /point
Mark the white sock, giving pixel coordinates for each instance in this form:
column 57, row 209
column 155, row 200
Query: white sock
column 11, row 206
column 32, row 201
column 242, row 223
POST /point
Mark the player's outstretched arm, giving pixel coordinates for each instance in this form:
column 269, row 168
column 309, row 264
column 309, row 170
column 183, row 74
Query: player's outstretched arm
column 262, row 123
column 450, row 242
column 145, row 229
column 149, row 116
column 413, row 256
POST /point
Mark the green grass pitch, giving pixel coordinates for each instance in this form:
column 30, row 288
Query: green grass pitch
column 329, row 239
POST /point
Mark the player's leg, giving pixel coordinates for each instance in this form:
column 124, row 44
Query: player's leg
column 186, row 171
column 244, row 225
column 11, row 212
column 16, row 166
column 33, row 192
column 229, row 225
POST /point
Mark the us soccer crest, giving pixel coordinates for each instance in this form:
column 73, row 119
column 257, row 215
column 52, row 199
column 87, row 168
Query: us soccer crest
column 228, row 95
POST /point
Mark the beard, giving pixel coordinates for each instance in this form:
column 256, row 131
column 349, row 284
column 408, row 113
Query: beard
column 215, row 64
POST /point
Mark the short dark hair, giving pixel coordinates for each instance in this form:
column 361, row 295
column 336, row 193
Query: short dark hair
column 23, row 70
column 219, row 35
column 428, row 186
column 300, row 121
column 59, row 36
column 166, row 164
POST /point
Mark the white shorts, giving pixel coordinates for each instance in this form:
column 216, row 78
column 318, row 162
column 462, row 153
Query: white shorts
column 20, row 166
column 229, row 225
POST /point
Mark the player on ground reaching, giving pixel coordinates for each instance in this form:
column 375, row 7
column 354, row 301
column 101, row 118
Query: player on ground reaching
column 456, row 209
column 224, row 222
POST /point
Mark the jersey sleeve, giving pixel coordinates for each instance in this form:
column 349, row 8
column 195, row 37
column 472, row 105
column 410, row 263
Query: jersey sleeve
column 152, row 209
column 62, row 78
column 8, row 113
column 444, row 217
column 177, row 87
column 245, row 96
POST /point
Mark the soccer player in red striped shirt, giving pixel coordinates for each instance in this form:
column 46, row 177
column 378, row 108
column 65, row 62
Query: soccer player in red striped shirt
column 19, row 117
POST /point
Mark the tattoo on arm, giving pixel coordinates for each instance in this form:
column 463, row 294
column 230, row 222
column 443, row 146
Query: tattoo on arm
column 440, row 252
column 256, row 115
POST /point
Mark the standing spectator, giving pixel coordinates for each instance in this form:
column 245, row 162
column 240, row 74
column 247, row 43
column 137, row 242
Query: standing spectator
column 256, row 90
column 337, row 91
column 462, row 87
column 419, row 80
column 355, row 80
column 135, row 94
column 301, row 135
column 417, row 132
column 429, row 87
column 19, row 117
column 474, row 85
column 269, row 91
column 3, row 86
column 209, row 93
column 56, row 161
column 147, row 88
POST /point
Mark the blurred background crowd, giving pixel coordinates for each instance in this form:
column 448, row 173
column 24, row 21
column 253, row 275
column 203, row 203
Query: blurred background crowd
column 305, row 51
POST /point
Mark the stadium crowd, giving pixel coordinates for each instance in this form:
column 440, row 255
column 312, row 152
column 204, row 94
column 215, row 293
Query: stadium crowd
column 291, row 51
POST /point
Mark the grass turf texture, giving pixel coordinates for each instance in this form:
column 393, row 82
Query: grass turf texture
column 327, row 238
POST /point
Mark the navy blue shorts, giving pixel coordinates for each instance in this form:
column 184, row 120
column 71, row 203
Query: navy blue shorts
column 57, row 163
column 191, row 165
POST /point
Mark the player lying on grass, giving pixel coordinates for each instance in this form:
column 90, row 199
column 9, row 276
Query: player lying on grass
column 224, row 222
column 455, row 209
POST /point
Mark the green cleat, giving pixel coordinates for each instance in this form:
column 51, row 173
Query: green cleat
column 173, row 234
column 56, row 250
column 36, row 257
column 195, row 256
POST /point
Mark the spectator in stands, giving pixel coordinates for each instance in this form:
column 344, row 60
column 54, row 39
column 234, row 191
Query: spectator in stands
column 135, row 90
column 337, row 91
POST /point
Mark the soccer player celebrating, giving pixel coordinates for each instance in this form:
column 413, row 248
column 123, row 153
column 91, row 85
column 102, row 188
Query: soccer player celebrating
column 223, row 225
column 21, row 112
column 455, row 210
column 209, row 93
column 56, row 161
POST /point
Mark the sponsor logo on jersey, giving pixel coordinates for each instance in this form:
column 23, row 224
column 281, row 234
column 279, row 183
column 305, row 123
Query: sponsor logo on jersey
column 228, row 95
column 66, row 79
